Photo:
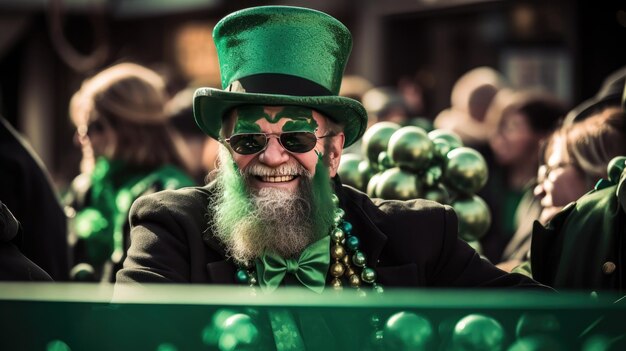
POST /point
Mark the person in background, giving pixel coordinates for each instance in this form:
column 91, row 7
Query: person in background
column 582, row 244
column 608, row 96
column 26, row 189
column 201, row 151
column 470, row 99
column 128, row 151
column 524, row 122
column 576, row 158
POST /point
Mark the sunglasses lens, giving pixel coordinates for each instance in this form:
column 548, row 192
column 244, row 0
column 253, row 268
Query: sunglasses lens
column 248, row 144
column 298, row 142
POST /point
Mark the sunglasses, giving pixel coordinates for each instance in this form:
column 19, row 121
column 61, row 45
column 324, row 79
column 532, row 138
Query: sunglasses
column 294, row 142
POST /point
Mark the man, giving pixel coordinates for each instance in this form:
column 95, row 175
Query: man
column 276, row 213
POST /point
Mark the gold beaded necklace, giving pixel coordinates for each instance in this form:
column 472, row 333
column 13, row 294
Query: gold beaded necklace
column 350, row 263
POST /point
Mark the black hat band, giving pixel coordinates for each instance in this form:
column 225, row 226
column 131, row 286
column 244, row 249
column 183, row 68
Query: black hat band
column 278, row 84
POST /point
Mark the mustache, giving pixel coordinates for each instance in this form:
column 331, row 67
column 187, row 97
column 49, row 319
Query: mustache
column 290, row 169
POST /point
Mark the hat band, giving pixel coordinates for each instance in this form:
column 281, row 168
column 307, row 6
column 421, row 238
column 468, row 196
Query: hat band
column 278, row 84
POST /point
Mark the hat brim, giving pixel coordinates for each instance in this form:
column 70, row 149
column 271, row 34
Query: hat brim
column 211, row 105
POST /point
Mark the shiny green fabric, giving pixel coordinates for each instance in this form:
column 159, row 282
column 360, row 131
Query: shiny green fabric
column 310, row 268
column 115, row 185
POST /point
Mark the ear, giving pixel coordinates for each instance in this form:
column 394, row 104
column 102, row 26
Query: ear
column 334, row 153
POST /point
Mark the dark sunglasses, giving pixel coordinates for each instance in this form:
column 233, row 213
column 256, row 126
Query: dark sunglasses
column 295, row 142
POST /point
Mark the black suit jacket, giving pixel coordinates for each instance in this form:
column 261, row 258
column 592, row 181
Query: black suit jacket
column 409, row 243
column 26, row 189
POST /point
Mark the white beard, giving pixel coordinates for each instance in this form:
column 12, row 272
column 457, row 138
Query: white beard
column 270, row 219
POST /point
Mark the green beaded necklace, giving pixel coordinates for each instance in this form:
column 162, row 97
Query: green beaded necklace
column 350, row 264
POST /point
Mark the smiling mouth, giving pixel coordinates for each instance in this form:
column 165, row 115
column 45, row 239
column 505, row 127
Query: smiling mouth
column 276, row 179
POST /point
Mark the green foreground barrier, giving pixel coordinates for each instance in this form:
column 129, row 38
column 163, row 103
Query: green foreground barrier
column 61, row 317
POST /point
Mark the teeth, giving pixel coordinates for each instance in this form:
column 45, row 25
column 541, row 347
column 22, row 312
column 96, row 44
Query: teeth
column 278, row 179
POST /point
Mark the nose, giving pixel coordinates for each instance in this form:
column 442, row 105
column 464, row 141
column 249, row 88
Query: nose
column 539, row 191
column 274, row 154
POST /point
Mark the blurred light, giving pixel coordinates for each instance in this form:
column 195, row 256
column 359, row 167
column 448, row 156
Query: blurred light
column 196, row 54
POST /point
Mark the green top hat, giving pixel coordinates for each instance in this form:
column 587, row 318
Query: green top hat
column 279, row 55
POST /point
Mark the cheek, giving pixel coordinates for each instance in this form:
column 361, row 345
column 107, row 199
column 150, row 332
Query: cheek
column 566, row 187
column 308, row 161
column 242, row 161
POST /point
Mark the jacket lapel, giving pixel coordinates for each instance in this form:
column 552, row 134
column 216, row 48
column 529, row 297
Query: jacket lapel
column 221, row 272
column 373, row 242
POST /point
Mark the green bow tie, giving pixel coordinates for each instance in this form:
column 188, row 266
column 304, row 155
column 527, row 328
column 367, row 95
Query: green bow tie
column 310, row 268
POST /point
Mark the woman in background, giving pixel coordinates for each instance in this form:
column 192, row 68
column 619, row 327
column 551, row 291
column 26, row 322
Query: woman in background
column 582, row 244
column 128, row 150
column 525, row 119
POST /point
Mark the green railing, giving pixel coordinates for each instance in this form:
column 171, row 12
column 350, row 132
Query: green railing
column 55, row 317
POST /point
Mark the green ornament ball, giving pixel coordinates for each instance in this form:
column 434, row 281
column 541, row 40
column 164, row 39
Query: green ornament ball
column 348, row 171
column 474, row 217
column 597, row 342
column 441, row 147
column 407, row 331
column 396, row 184
column 466, row 170
column 410, row 148
column 615, row 168
column 432, row 176
column 438, row 193
column 538, row 343
column 477, row 332
column 366, row 170
column 537, row 323
column 453, row 139
column 372, row 184
column 384, row 161
column 376, row 139
column 238, row 332
column 57, row 345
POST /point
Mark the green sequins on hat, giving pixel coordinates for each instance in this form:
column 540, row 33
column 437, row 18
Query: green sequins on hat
column 280, row 55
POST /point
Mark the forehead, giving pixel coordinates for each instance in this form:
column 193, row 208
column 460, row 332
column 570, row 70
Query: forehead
column 557, row 151
column 285, row 118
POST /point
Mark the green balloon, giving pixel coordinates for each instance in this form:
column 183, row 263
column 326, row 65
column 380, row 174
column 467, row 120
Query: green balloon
column 407, row 331
column 474, row 217
column 348, row 171
column 372, row 185
column 477, row 332
column 537, row 323
column 396, row 184
column 466, row 170
column 376, row 139
column 615, row 168
column 366, row 170
column 410, row 148
column 453, row 139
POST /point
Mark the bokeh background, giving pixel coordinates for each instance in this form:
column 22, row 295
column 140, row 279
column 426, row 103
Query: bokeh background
column 47, row 47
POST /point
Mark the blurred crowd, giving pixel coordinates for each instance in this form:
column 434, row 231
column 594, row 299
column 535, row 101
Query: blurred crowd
column 546, row 161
